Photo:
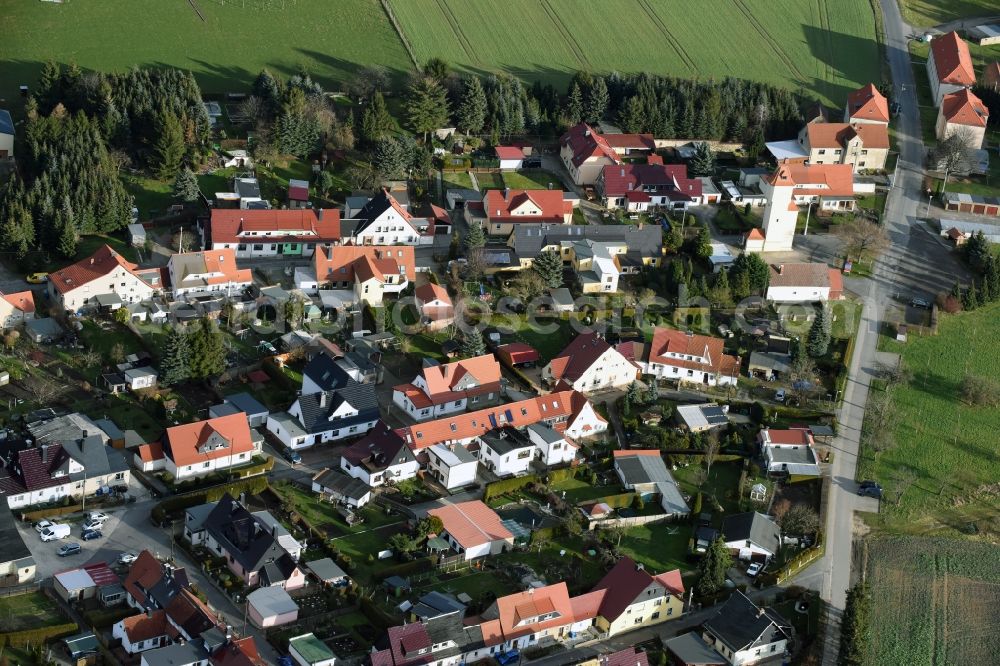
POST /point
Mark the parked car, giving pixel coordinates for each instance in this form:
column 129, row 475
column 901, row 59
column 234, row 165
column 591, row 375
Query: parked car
column 921, row 303
column 90, row 535
column 870, row 489
column 780, row 395
column 54, row 531
column 754, row 569
column 41, row 525
column 92, row 525
column 96, row 516
column 127, row 557
column 895, row 108
column 292, row 456
column 37, row 278
column 69, row 549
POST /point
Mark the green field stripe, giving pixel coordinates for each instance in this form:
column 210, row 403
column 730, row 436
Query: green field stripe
column 824, row 21
column 456, row 27
column 752, row 20
column 566, row 35
column 676, row 45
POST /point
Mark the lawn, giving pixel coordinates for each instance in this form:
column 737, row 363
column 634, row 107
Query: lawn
column 549, row 337
column 578, row 490
column 660, row 546
column 927, row 13
column 828, row 47
column 28, row 611
column 934, row 601
column 947, row 445
column 152, row 197
column 531, row 179
column 225, row 50
column 456, row 180
column 489, row 181
column 722, row 483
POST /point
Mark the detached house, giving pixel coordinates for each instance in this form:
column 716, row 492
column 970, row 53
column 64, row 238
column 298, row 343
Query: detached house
column 949, row 66
column 643, row 244
column 269, row 233
column 789, row 452
column 208, row 272
column 451, row 387
column 639, row 187
column 745, row 633
column 473, row 529
column 629, row 597
column 350, row 410
column 963, row 112
column 384, row 221
column 153, row 586
column 690, row 358
column 863, row 146
column 751, row 536
column 804, row 283
column 369, row 272
column 200, row 448
column 505, row 209
column 15, row 308
column 257, row 548
column 379, row 458
column 520, row 620
column 104, row 274
column 585, row 152
column 644, row 472
column 866, row 105
column 434, row 305
column 794, row 185
column 589, row 364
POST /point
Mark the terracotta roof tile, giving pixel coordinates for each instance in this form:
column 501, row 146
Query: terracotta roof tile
column 234, row 225
column 586, row 143
column 339, row 263
column 502, row 206
column 515, row 608
column 625, row 583
column 103, row 261
column 952, row 60
column 867, row 103
column 429, row 292
column 22, row 300
column 232, row 432
column 573, row 361
column 143, row 627
column 662, row 179
column 671, row 341
column 789, row 436
column 472, row 523
column 964, row 108
column 800, row 275
column 837, row 180
column 509, row 153
column 836, row 135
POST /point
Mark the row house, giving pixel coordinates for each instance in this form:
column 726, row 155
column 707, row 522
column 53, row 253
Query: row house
column 259, row 233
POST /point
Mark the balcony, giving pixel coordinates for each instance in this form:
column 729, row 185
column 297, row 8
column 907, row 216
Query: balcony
column 395, row 288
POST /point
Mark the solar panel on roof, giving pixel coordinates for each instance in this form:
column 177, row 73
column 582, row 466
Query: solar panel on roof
column 510, row 417
column 493, row 420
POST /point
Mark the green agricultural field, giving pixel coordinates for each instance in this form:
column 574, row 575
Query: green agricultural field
column 828, row 47
column 928, row 13
column 934, row 601
column 948, row 445
column 225, row 51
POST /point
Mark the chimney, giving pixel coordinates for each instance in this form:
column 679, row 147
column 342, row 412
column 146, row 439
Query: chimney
column 586, row 132
column 760, row 612
column 322, row 399
column 91, row 261
column 639, row 566
column 319, row 214
column 781, row 269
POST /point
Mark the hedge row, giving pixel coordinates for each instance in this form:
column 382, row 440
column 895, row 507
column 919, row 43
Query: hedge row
column 562, row 474
column 253, row 486
column 37, row 636
column 504, row 486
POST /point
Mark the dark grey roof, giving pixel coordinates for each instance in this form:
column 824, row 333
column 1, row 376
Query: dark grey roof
column 641, row 469
column 342, row 484
column 246, row 403
column 97, row 458
column 691, row 649
column 326, row 569
column 506, row 439
column 799, row 455
column 110, row 429
column 529, row 239
column 435, row 604
column 178, row 654
column 246, row 187
column 317, row 407
column 548, row 434
column 246, row 539
column 64, row 428
column 326, row 373
column 740, row 624
column 12, row 546
column 223, row 409
column 774, row 361
column 754, row 527
column 821, row 430
column 672, row 498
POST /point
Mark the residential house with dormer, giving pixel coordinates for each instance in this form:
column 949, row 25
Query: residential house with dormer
column 196, row 449
column 151, row 586
column 350, row 410
column 866, row 105
column 361, row 275
column 590, row 364
column 745, row 633
column 380, row 457
column 272, row 232
column 442, row 389
column 506, row 209
column 384, row 221
column 638, row 187
column 689, row 358
column 105, row 274
column 585, row 152
column 629, row 597
column 211, row 272
column 965, row 114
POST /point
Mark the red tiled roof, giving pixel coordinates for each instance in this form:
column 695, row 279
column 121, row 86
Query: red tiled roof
column 964, row 108
column 340, row 262
column 22, row 300
column 624, row 584
column 867, row 103
column 143, row 627
column 101, row 573
column 298, row 192
column 628, row 453
column 443, row 379
column 800, row 275
column 991, row 74
column 219, row 265
column 585, row 143
column 472, row 523
column 629, row 179
column 653, row 158
column 952, row 60
column 837, row 178
column 103, row 261
column 836, row 135
column 502, row 206
column 297, row 226
column 150, row 452
column 34, row 469
column 429, row 292
column 755, row 234
column 671, row 341
column 509, row 153
column 573, row 361
column 631, row 141
column 836, row 283
column 630, row 656
column 559, row 405
column 790, row 436
column 238, row 652
column 406, row 640
column 587, row 606
column 181, row 443
column 142, row 576
column 515, row 608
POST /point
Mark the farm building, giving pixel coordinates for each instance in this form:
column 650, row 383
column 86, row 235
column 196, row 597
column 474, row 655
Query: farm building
column 986, row 34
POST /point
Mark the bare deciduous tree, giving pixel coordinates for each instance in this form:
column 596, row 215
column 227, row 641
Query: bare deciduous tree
column 712, row 446
column 953, row 156
column 862, row 238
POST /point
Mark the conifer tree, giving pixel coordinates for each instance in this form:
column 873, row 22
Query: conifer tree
column 186, row 186
column 472, row 108
column 168, row 146
column 427, row 106
column 549, row 266
column 472, row 343
column 819, row 334
column 475, row 237
column 176, row 357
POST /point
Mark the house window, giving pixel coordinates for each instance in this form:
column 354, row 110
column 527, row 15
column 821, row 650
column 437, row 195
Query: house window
column 458, row 403
column 822, row 151
column 258, row 247
column 206, row 465
column 638, row 620
column 655, row 616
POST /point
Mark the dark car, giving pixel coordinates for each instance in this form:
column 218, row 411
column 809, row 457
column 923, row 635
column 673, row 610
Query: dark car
column 69, row 549
column 870, row 489
column 921, row 303
column 531, row 163
column 292, row 456
column 90, row 535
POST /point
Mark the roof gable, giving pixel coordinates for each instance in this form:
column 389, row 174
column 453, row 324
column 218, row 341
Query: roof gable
column 952, row 60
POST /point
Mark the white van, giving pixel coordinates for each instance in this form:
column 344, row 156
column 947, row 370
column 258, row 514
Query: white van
column 54, row 531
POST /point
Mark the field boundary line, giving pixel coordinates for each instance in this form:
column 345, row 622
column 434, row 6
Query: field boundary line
column 676, row 45
column 752, row 20
column 567, row 36
column 387, row 8
column 196, row 10
column 824, row 21
column 456, row 27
